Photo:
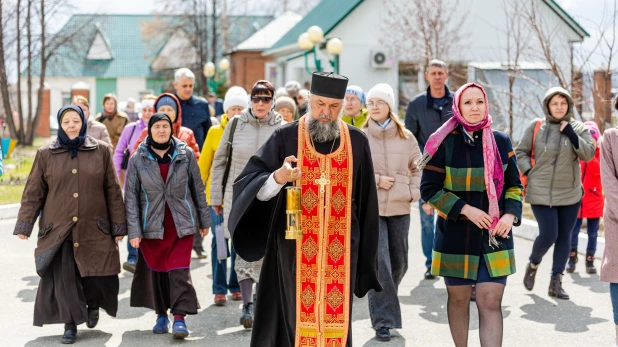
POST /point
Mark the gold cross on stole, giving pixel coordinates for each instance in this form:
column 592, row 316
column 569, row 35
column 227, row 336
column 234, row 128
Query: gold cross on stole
column 323, row 181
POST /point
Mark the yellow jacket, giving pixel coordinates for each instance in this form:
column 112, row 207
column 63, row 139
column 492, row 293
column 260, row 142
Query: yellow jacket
column 357, row 121
column 207, row 155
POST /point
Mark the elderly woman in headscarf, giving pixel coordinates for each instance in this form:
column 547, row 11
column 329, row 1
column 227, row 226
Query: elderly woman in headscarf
column 246, row 134
column 74, row 189
column 470, row 177
column 169, row 104
column 166, row 206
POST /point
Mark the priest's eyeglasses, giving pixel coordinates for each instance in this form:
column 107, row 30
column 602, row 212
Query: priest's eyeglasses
column 378, row 104
column 263, row 99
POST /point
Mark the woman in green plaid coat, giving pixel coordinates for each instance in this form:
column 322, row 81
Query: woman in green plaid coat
column 471, row 179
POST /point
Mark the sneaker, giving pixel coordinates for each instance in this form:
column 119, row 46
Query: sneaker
column 199, row 254
column 179, row 329
column 383, row 334
column 220, row 300
column 130, row 267
column 246, row 319
column 162, row 326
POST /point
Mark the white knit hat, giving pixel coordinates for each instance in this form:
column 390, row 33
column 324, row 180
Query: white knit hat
column 383, row 92
column 235, row 96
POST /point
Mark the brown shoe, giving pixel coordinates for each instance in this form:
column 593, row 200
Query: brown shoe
column 220, row 300
column 236, row 296
column 530, row 276
column 555, row 288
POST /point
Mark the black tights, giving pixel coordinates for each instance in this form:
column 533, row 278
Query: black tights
column 488, row 302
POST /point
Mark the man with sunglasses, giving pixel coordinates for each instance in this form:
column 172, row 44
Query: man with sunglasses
column 308, row 280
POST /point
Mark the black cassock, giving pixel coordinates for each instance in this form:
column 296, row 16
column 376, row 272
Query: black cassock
column 258, row 230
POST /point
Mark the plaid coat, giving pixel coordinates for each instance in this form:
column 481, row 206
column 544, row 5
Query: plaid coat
column 454, row 178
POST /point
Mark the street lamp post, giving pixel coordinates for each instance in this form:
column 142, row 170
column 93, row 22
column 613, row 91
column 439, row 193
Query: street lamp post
column 310, row 41
column 210, row 71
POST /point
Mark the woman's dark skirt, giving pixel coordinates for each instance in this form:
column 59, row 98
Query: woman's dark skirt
column 64, row 296
column 161, row 291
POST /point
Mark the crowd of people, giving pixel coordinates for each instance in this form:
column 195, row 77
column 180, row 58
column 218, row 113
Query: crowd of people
column 184, row 166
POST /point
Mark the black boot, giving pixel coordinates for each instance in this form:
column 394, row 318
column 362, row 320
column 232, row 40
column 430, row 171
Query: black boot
column 530, row 276
column 70, row 334
column 246, row 319
column 590, row 269
column 572, row 261
column 383, row 334
column 555, row 288
column 429, row 275
column 93, row 317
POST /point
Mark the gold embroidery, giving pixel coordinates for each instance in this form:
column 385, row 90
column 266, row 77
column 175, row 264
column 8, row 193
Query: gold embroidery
column 334, row 298
column 310, row 200
column 336, row 250
column 308, row 297
column 310, row 249
column 339, row 201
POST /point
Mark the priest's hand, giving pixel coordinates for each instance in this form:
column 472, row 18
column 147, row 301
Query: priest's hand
column 135, row 242
column 286, row 173
column 23, row 237
column 386, row 182
column 204, row 232
column 476, row 216
column 119, row 238
column 504, row 225
column 218, row 210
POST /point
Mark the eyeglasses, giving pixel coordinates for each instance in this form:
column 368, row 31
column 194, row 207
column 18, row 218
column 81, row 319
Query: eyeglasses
column 263, row 99
column 378, row 104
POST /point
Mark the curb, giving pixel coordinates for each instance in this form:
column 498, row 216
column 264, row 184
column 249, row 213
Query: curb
column 529, row 230
column 9, row 211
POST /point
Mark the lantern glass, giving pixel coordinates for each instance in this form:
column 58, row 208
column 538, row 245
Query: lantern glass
column 304, row 42
column 316, row 34
column 334, row 46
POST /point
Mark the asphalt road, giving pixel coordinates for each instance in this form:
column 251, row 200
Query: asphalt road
column 531, row 318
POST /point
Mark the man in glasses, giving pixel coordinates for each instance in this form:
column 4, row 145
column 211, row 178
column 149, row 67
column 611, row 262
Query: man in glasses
column 305, row 295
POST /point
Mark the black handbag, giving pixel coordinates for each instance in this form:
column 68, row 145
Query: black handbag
column 229, row 153
column 127, row 152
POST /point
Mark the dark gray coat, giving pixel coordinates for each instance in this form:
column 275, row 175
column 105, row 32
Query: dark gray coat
column 146, row 194
column 423, row 118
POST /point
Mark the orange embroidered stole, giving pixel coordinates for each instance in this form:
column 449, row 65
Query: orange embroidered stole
column 323, row 253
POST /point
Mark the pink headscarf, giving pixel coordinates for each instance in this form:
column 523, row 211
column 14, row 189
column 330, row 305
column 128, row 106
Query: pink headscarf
column 492, row 163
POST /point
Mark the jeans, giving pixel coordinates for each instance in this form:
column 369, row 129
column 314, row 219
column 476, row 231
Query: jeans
column 132, row 258
column 427, row 233
column 613, row 293
column 593, row 232
column 384, row 306
column 220, row 284
column 555, row 228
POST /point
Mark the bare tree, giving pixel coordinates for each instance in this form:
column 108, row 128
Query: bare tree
column 4, row 84
column 421, row 30
column 213, row 50
column 20, row 109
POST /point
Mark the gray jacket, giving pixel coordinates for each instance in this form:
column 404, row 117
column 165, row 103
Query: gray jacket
column 423, row 118
column 555, row 180
column 146, row 194
column 250, row 135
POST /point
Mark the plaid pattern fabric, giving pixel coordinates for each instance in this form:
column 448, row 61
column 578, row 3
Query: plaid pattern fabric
column 453, row 178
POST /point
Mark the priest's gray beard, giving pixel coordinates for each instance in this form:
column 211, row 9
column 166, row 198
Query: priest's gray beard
column 322, row 132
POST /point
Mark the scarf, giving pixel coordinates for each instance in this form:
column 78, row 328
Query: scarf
column 169, row 145
column 492, row 163
column 63, row 138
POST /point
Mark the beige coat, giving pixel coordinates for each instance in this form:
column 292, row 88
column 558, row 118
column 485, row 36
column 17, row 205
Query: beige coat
column 609, row 177
column 395, row 157
column 98, row 131
column 250, row 135
column 114, row 125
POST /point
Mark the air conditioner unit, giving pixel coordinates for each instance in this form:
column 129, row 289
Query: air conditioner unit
column 381, row 59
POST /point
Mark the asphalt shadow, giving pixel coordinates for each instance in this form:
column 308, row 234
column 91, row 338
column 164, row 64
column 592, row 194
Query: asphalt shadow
column 396, row 341
column 593, row 282
column 431, row 299
column 565, row 315
column 29, row 295
column 92, row 338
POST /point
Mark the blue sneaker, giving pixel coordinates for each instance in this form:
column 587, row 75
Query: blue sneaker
column 179, row 329
column 162, row 326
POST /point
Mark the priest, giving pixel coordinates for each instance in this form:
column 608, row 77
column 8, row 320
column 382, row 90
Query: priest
column 306, row 286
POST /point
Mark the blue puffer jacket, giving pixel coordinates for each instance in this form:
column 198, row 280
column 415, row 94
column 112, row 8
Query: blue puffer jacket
column 146, row 194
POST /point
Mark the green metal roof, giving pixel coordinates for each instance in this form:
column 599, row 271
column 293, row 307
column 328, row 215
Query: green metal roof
column 567, row 18
column 133, row 52
column 327, row 15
